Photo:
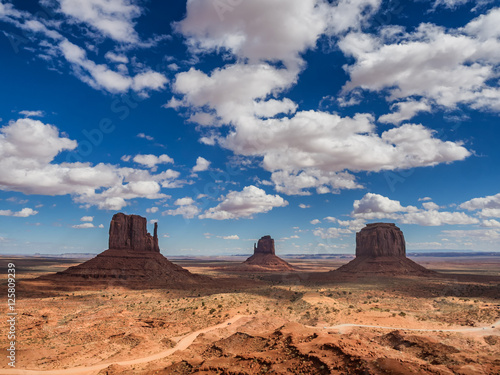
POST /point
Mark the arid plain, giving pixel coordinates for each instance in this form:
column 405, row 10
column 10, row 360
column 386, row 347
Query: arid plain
column 296, row 322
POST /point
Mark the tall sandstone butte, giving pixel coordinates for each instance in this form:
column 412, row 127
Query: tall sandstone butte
column 264, row 246
column 264, row 256
column 133, row 255
column 380, row 240
column 129, row 232
column 381, row 251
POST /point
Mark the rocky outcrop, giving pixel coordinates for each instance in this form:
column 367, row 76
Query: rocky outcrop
column 380, row 240
column 381, row 251
column 129, row 232
column 264, row 257
column 264, row 246
column 133, row 259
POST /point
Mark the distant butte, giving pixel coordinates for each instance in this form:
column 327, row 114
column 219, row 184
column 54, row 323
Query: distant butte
column 381, row 250
column 264, row 255
column 133, row 255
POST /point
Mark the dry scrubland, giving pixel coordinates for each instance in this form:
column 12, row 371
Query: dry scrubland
column 287, row 322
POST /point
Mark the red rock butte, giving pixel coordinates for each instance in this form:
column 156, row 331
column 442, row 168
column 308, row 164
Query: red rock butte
column 381, row 250
column 133, row 255
column 129, row 232
column 264, row 256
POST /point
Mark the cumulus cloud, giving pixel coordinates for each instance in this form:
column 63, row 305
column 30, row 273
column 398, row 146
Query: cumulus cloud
column 187, row 208
column 152, row 210
column 302, row 205
column 25, row 212
column 87, row 218
column 315, row 221
column 202, row 164
column 491, row 223
column 27, row 165
column 113, row 18
column 331, row 232
column 151, row 161
column 232, row 237
column 100, row 76
column 375, row 206
column 430, row 206
column 83, row 226
column 446, row 67
column 488, row 206
column 244, row 204
column 404, row 111
column 437, row 218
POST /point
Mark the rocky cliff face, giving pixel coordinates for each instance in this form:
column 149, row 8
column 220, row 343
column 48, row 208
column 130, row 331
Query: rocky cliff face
column 264, row 246
column 380, row 240
column 129, row 232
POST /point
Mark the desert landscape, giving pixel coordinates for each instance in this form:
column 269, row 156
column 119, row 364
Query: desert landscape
column 212, row 316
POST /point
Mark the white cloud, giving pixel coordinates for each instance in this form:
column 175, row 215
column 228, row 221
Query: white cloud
column 25, row 212
column 436, row 218
column 100, row 77
column 446, row 67
column 244, row 204
column 474, row 235
column 354, row 225
column 32, row 113
column 152, row 210
column 373, row 206
column 302, row 205
column 27, row 166
column 186, row 201
column 232, row 237
column 331, row 232
column 112, row 18
column 87, row 218
column 489, row 206
column 256, row 30
column 186, row 209
column 315, row 221
column 101, row 226
column 424, row 199
column 430, row 206
column 404, row 111
column 113, row 57
column 202, row 164
column 331, row 219
column 151, row 161
column 148, row 137
column 491, row 223
column 83, row 226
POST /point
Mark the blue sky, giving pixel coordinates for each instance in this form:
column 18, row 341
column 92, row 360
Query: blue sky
column 227, row 120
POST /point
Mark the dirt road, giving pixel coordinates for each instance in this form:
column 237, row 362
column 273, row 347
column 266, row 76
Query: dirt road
column 92, row 370
column 486, row 329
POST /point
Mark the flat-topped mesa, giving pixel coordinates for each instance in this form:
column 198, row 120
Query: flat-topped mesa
column 129, row 232
column 380, row 240
column 264, row 246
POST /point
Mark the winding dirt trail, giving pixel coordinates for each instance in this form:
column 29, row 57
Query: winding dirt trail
column 188, row 340
column 92, row 370
column 485, row 329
